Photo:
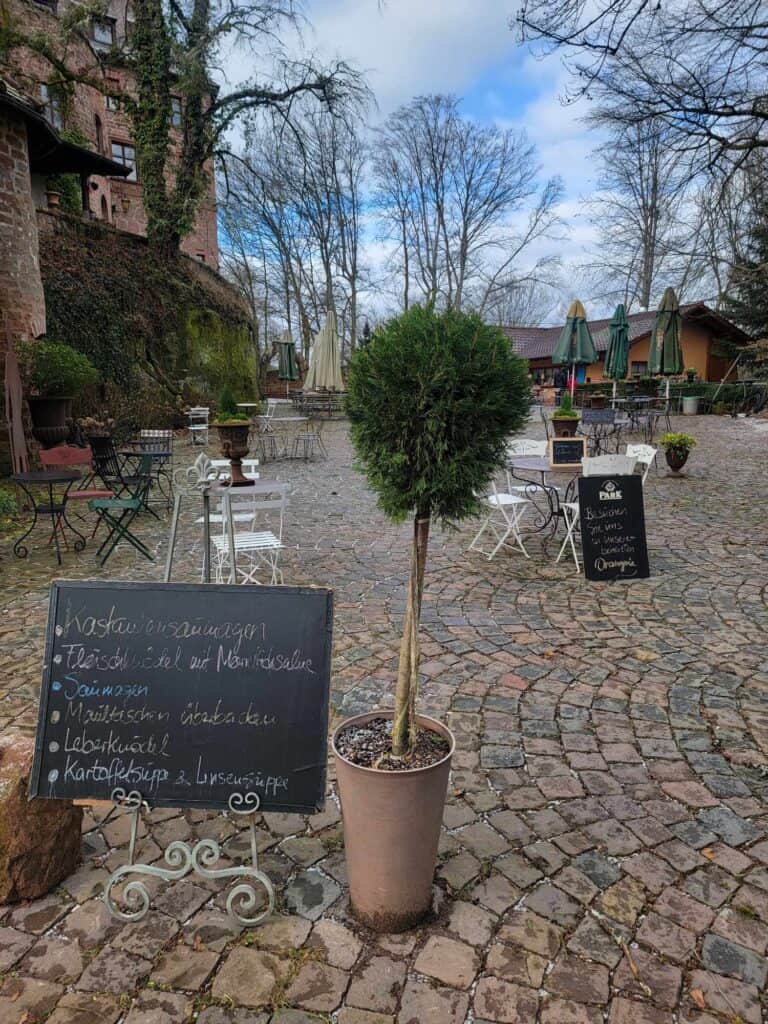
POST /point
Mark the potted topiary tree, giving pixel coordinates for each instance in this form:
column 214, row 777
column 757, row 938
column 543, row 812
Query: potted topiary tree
column 54, row 373
column 677, row 448
column 565, row 419
column 432, row 399
column 233, row 427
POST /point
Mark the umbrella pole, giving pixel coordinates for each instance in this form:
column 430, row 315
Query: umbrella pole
column 613, row 396
column 573, row 381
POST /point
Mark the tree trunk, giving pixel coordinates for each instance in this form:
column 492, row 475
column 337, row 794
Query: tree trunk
column 404, row 724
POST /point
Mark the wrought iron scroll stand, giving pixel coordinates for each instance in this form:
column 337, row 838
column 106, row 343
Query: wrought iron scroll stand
column 183, row 859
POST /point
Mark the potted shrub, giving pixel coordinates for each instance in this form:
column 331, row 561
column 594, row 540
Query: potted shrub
column 565, row 419
column 677, row 448
column 690, row 374
column 431, row 400
column 233, row 427
column 54, row 373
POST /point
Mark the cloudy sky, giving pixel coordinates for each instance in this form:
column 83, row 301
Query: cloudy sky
column 466, row 47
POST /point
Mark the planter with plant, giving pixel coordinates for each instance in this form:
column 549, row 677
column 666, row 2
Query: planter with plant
column 233, row 427
column 565, row 419
column 690, row 374
column 431, row 401
column 54, row 373
column 677, row 448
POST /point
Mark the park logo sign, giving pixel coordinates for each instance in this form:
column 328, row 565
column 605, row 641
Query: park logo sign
column 612, row 520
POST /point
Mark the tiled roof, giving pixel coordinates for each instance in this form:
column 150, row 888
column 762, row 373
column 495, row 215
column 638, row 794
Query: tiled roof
column 539, row 342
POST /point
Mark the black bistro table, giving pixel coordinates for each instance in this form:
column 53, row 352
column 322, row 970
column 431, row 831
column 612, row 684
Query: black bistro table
column 48, row 504
column 547, row 498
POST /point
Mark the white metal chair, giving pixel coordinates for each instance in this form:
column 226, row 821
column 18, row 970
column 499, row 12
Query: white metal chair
column 645, row 455
column 598, row 465
column 197, row 418
column 505, row 510
column 262, row 504
column 526, row 446
column 609, row 465
column 220, row 469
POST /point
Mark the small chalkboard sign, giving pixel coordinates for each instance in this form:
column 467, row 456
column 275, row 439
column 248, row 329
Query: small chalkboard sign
column 602, row 416
column 186, row 693
column 567, row 451
column 613, row 527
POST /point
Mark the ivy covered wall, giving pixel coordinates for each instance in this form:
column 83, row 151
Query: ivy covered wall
column 175, row 323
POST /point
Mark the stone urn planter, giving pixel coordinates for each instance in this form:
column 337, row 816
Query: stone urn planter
column 565, row 426
column 391, row 832
column 677, row 448
column 233, row 440
column 51, row 419
column 676, row 458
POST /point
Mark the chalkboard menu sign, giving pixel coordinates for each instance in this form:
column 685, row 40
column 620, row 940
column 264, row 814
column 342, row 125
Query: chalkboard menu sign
column 598, row 415
column 567, row 451
column 186, row 693
column 613, row 527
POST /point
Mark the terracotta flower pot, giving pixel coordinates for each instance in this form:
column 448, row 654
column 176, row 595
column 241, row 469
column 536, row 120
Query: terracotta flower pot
column 233, row 438
column 50, row 419
column 676, row 458
column 565, row 426
column 391, row 831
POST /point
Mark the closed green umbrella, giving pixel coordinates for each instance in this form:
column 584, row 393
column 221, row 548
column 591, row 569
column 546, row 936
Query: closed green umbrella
column 286, row 362
column 575, row 346
column 665, row 356
column 617, row 356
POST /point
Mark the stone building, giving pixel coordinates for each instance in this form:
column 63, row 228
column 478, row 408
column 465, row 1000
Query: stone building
column 98, row 119
column 30, row 150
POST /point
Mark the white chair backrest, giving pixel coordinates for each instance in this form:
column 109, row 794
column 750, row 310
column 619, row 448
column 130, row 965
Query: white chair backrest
column 609, row 465
column 198, row 414
column 526, row 446
column 645, row 455
column 261, row 501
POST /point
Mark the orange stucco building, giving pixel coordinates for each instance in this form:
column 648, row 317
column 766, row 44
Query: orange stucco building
column 707, row 339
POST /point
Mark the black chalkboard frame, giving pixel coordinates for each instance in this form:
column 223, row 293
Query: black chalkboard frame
column 58, row 589
column 554, row 442
column 632, row 486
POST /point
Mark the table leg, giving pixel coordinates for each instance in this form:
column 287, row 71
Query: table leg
column 54, row 523
column 19, row 548
column 206, row 537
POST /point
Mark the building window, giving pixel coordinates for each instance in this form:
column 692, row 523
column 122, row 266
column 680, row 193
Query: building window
column 99, row 134
column 113, row 103
column 175, row 112
column 103, row 32
column 54, row 105
column 639, row 369
column 125, row 154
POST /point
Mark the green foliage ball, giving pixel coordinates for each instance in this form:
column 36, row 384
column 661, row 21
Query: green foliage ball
column 432, row 400
column 56, row 370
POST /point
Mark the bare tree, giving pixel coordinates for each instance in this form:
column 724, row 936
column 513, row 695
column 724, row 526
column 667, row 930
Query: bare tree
column 521, row 304
column 447, row 191
column 299, row 194
column 698, row 66
column 638, row 211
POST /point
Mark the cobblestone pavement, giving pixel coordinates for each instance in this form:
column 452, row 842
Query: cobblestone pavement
column 605, row 852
